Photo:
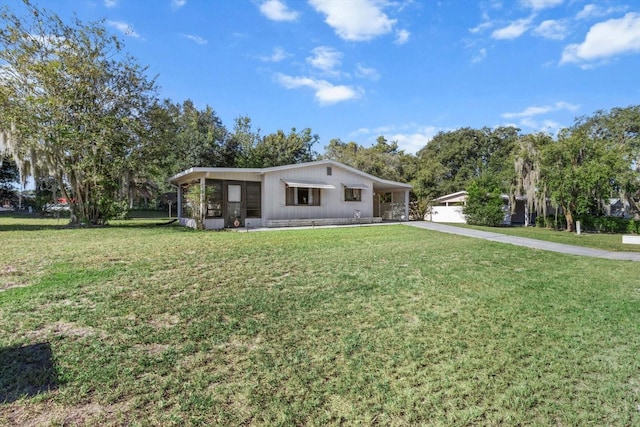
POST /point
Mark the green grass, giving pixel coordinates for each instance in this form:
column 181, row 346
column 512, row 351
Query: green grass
column 389, row 325
column 604, row 241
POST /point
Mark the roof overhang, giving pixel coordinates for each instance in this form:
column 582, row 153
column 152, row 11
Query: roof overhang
column 192, row 174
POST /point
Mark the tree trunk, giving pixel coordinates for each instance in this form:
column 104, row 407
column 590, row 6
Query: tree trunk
column 569, row 217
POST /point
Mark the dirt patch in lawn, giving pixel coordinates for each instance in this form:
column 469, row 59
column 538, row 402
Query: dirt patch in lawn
column 49, row 413
column 66, row 329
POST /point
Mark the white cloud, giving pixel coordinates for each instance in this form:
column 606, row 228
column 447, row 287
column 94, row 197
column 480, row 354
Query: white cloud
column 410, row 137
column 550, row 124
column 277, row 10
column 541, row 4
column 606, row 39
column 545, row 126
column 367, row 73
column 325, row 58
column 479, row 56
column 277, row 55
column 552, row 29
column 413, row 142
column 513, row 30
column 536, row 111
column 595, row 11
column 110, row 3
column 402, row 36
column 481, row 27
column 124, row 28
column 195, row 38
column 178, row 3
column 588, row 11
column 325, row 92
column 355, row 20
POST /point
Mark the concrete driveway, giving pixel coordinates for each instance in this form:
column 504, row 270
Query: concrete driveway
column 523, row 241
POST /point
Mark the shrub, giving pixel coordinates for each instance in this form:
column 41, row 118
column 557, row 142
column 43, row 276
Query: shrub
column 550, row 221
column 484, row 204
column 633, row 227
column 608, row 224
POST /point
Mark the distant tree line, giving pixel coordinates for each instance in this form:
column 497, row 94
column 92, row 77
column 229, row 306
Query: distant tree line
column 84, row 120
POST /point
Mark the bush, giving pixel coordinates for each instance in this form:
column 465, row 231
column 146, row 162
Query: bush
column 484, row 205
column 633, row 227
column 608, row 224
column 551, row 221
column 119, row 210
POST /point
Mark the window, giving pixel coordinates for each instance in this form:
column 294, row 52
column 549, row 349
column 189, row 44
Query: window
column 254, row 200
column 214, row 198
column 352, row 194
column 302, row 196
column 329, row 171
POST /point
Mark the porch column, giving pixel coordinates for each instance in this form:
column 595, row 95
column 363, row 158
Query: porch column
column 406, row 205
column 179, row 202
column 202, row 198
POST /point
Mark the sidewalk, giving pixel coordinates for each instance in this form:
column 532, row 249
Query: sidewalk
column 524, row 241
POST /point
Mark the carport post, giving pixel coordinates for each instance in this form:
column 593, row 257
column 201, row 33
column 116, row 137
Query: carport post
column 179, row 200
column 406, row 205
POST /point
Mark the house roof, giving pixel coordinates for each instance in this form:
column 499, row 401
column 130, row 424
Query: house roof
column 192, row 173
column 458, row 196
column 379, row 184
column 461, row 196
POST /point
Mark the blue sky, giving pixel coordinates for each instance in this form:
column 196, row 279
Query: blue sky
column 405, row 69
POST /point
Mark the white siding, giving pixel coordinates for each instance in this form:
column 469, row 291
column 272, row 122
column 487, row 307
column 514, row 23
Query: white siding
column 451, row 214
column 332, row 203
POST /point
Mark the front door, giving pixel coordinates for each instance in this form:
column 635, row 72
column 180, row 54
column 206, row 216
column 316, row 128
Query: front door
column 235, row 207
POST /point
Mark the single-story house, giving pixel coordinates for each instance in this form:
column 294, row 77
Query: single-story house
column 323, row 192
column 448, row 208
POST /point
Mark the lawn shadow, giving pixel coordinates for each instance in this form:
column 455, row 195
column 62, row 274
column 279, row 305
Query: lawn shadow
column 32, row 222
column 35, row 222
column 26, row 371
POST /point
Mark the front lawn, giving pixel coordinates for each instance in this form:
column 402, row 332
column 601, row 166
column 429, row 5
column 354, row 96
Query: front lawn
column 143, row 325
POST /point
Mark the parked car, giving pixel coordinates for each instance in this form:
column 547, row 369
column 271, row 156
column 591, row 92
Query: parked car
column 55, row 207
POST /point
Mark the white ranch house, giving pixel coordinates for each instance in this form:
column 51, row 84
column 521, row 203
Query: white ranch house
column 323, row 192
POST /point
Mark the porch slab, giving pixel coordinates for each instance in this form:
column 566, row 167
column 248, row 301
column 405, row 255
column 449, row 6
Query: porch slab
column 318, row 222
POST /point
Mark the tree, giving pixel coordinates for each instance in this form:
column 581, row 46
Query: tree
column 484, row 205
column 279, row 149
column 527, row 178
column 242, row 141
column 9, row 175
column 73, row 106
column 383, row 159
column 620, row 131
column 453, row 159
column 580, row 170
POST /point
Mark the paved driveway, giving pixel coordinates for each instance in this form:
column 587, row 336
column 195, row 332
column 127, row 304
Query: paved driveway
column 523, row 241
